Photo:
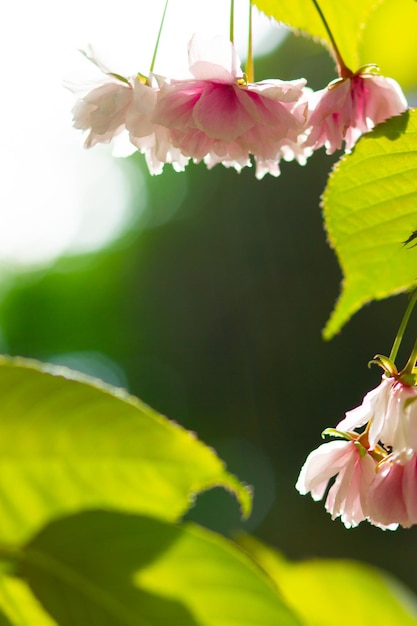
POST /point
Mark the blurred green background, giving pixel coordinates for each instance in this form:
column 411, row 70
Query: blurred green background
column 210, row 309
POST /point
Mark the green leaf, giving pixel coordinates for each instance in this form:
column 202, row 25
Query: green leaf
column 20, row 606
column 399, row 19
column 68, row 444
column 370, row 211
column 329, row 592
column 346, row 20
column 112, row 569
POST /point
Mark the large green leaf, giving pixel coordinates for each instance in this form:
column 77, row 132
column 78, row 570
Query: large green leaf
column 110, row 569
column 396, row 20
column 346, row 19
column 331, row 592
column 68, row 444
column 370, row 210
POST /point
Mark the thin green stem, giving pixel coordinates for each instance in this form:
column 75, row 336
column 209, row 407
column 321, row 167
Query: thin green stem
column 403, row 326
column 155, row 52
column 250, row 74
column 344, row 71
column 411, row 363
column 232, row 21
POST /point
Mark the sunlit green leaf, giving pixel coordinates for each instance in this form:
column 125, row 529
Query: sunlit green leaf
column 393, row 22
column 345, row 18
column 331, row 592
column 68, row 444
column 370, row 211
column 113, row 569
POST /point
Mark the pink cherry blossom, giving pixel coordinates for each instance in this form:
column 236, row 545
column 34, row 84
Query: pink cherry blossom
column 153, row 140
column 218, row 117
column 351, row 106
column 354, row 470
column 391, row 409
column 103, row 111
column 392, row 498
column 122, row 104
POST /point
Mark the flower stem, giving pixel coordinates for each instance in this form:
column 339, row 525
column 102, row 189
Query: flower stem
column 249, row 61
column 343, row 70
column 403, row 326
column 232, row 21
column 411, row 363
column 155, row 52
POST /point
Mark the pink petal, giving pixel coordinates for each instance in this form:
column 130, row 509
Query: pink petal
column 213, row 59
column 220, row 113
column 321, row 465
column 385, row 99
column 176, row 102
column 385, row 500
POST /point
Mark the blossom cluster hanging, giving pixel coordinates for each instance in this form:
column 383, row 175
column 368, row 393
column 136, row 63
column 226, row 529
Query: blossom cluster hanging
column 375, row 464
column 216, row 115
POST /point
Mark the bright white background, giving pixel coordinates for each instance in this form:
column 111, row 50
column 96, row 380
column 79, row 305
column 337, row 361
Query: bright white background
column 56, row 197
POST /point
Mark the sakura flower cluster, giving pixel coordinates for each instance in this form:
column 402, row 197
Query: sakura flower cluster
column 375, row 465
column 216, row 116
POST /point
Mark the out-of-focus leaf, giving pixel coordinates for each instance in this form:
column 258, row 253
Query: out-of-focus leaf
column 68, row 444
column 370, row 211
column 18, row 606
column 113, row 569
column 346, row 19
column 330, row 592
column 393, row 22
